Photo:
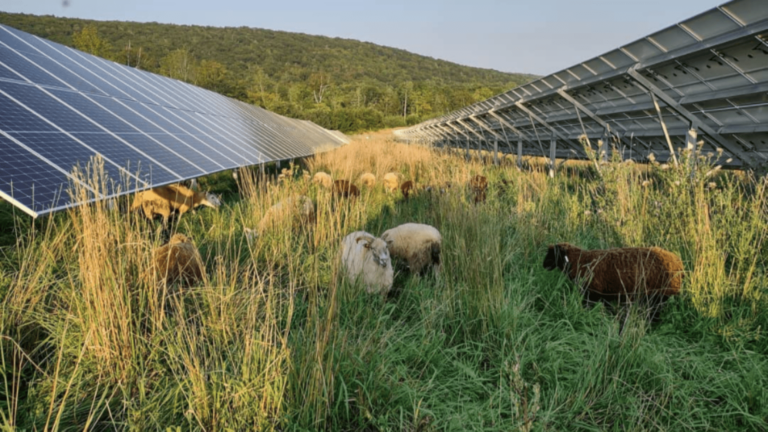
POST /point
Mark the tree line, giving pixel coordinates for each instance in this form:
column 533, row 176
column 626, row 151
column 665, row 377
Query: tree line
column 337, row 83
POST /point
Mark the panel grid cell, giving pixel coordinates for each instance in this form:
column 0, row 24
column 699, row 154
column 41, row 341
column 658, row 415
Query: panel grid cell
column 62, row 108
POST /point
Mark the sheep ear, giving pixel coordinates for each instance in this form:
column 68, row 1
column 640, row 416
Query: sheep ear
column 367, row 241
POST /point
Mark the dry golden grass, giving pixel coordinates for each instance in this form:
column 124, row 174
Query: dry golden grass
column 275, row 339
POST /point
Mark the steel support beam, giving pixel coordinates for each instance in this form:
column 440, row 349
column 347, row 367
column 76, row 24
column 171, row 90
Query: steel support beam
column 542, row 122
column 495, row 142
column 674, row 105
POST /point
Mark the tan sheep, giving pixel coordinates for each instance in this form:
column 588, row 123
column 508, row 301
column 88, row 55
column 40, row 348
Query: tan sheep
column 323, row 179
column 620, row 273
column 166, row 200
column 418, row 244
column 179, row 260
column 298, row 208
column 391, row 182
column 368, row 180
column 366, row 258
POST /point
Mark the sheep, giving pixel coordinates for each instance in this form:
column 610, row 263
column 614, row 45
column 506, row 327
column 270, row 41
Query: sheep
column 368, row 180
column 406, row 189
column 345, row 189
column 285, row 174
column 391, row 182
column 179, row 260
column 298, row 208
column 418, row 244
column 323, row 179
column 479, row 184
column 367, row 258
column 431, row 189
column 166, row 200
column 630, row 273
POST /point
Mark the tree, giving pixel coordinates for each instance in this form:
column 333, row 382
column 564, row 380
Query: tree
column 319, row 82
column 211, row 75
column 179, row 64
column 88, row 40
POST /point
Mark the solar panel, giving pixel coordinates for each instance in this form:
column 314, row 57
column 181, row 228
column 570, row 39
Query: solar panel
column 706, row 78
column 60, row 108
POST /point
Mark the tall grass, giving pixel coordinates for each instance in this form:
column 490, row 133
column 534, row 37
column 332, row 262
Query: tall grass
column 276, row 339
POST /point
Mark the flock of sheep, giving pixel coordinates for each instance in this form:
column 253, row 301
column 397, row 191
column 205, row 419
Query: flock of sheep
column 623, row 274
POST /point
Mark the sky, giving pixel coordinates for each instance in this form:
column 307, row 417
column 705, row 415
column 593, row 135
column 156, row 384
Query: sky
column 533, row 36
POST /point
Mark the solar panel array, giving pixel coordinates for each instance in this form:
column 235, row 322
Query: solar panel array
column 703, row 79
column 60, row 107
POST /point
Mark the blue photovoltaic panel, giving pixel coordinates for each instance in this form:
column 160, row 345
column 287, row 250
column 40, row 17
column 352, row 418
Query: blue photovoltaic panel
column 64, row 150
column 61, row 108
column 29, row 180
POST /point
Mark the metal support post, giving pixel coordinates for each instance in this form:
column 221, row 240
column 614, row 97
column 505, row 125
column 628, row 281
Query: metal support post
column 496, row 152
column 606, row 147
column 519, row 151
column 553, row 155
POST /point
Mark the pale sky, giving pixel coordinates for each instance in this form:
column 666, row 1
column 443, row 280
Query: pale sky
column 534, row 36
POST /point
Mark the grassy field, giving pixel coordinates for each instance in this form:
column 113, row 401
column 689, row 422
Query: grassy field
column 276, row 339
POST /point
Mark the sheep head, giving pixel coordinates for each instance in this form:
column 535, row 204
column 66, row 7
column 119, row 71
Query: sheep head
column 557, row 256
column 251, row 234
column 377, row 249
column 208, row 199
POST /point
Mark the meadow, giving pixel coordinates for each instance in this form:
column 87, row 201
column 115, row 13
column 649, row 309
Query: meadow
column 276, row 338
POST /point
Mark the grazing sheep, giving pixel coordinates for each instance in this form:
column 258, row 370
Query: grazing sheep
column 435, row 189
column 628, row 273
column 166, row 200
column 285, row 174
column 345, row 189
column 179, row 260
column 298, row 208
column 391, row 182
column 368, row 180
column 479, row 184
column 418, row 244
column 406, row 189
column 323, row 179
column 367, row 258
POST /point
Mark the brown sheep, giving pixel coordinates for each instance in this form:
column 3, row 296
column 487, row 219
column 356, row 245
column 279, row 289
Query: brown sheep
column 406, row 188
column 179, row 260
column 166, row 200
column 345, row 189
column 479, row 184
column 620, row 273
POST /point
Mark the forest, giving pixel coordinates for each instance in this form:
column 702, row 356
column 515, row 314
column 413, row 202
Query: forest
column 337, row 83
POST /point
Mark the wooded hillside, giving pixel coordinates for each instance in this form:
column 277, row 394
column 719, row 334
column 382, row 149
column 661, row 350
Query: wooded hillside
column 338, row 83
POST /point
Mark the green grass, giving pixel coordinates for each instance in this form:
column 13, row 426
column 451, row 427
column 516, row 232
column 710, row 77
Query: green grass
column 277, row 339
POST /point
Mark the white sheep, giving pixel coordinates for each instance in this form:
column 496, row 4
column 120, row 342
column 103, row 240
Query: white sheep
column 298, row 208
column 323, row 179
column 391, row 182
column 368, row 180
column 367, row 258
column 418, row 244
